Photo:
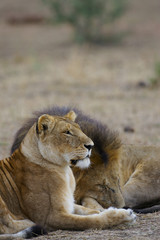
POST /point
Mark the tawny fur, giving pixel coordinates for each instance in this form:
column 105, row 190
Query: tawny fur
column 140, row 176
column 119, row 175
column 37, row 183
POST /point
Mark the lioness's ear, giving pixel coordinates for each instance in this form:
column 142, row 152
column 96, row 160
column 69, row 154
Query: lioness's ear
column 71, row 115
column 43, row 123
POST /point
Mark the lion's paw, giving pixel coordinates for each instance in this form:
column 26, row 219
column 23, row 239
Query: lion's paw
column 93, row 212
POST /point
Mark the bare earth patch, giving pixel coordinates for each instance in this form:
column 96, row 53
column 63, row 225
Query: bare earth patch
column 40, row 66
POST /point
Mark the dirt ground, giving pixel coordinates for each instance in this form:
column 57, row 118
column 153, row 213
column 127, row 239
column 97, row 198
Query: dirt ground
column 41, row 66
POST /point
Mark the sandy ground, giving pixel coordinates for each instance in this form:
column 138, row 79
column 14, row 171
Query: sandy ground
column 41, row 66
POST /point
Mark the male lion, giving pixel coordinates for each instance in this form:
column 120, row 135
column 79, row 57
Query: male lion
column 37, row 184
column 119, row 175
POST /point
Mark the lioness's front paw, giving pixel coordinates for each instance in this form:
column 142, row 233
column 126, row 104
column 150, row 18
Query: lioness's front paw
column 127, row 216
column 120, row 216
column 131, row 217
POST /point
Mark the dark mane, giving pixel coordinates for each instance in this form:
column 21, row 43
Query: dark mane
column 101, row 135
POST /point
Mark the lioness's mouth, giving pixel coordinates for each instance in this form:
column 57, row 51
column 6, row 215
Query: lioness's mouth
column 82, row 163
column 74, row 162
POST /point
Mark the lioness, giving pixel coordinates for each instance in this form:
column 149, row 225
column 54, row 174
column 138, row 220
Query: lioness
column 119, row 175
column 37, row 183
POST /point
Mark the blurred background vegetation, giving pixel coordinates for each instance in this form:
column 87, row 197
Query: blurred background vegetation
column 89, row 18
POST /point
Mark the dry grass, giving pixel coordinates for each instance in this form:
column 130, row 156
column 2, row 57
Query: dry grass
column 40, row 66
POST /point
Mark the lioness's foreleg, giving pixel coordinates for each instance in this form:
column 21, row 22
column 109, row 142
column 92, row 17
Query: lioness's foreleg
column 91, row 203
column 106, row 219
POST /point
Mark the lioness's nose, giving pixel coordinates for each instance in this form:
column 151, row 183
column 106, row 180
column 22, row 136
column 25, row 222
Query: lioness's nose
column 89, row 147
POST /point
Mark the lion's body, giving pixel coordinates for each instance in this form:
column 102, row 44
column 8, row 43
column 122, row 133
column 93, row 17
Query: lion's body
column 140, row 175
column 37, row 184
column 131, row 181
column 119, row 175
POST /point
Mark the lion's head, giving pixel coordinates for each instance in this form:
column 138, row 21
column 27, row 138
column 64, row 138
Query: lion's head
column 60, row 140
